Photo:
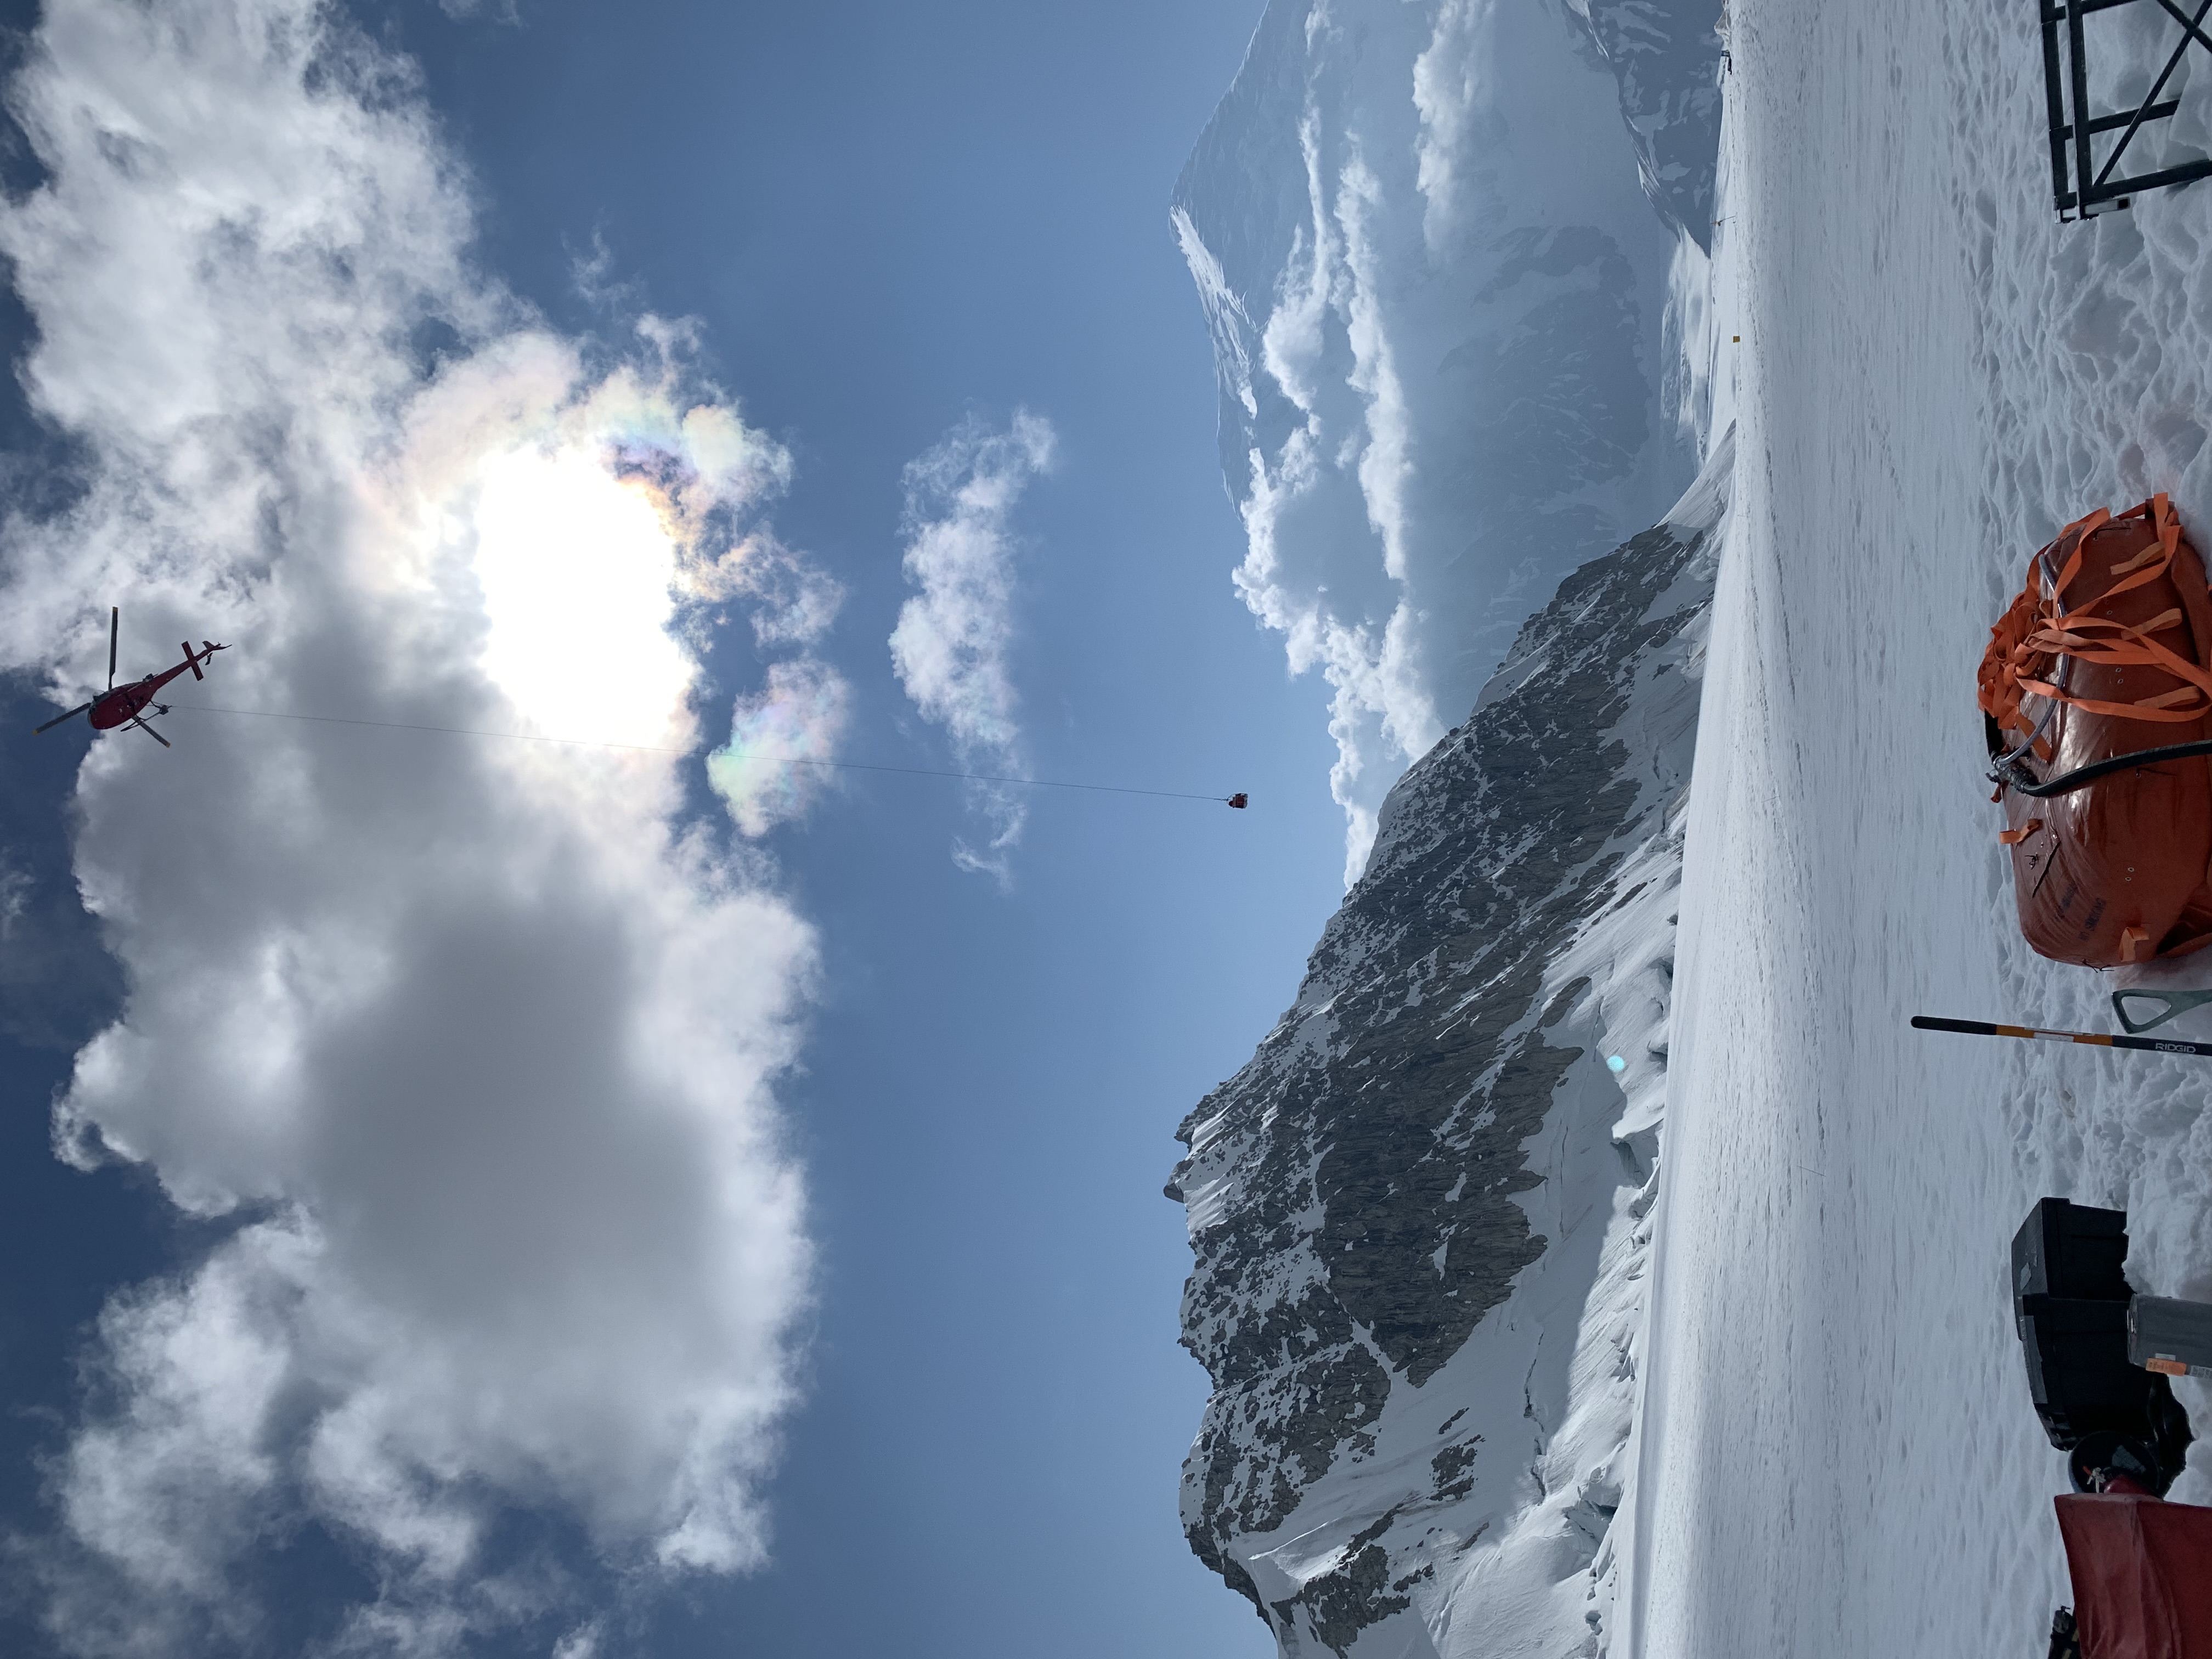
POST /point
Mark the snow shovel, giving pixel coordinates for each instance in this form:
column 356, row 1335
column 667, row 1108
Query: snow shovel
column 1979, row 1028
column 2169, row 1003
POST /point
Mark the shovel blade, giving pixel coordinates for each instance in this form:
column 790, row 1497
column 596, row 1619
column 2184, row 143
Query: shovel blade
column 2165, row 1005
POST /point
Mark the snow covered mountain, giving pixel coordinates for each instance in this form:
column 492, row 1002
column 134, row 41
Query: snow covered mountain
column 1830, row 1448
column 1438, row 298
column 1420, row 1212
column 1665, row 54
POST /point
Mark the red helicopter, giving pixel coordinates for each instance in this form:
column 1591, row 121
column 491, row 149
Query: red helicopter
column 126, row 705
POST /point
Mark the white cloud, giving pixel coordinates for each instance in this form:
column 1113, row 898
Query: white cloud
column 763, row 772
column 15, row 887
column 473, row 1042
column 1435, row 290
column 793, row 602
column 950, row 646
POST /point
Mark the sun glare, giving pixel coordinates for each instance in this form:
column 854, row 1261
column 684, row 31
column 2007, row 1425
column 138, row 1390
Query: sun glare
column 577, row 568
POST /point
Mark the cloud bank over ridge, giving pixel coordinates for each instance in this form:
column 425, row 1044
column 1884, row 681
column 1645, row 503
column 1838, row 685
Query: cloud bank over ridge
column 467, row 1049
column 1437, row 292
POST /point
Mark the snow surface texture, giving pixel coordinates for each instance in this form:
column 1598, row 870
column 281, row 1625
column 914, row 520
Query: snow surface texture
column 1419, row 1211
column 1836, row 1453
column 1438, row 302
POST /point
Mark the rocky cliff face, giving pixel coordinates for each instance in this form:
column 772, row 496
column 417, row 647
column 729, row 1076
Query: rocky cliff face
column 1420, row 1214
column 1666, row 55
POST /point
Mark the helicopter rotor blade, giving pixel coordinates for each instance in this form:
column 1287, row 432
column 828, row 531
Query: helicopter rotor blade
column 114, row 628
column 152, row 733
column 58, row 718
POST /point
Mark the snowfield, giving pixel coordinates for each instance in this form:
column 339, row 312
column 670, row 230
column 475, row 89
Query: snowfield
column 1835, row 1452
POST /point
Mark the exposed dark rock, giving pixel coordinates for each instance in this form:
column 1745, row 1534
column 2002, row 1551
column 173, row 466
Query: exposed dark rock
column 1666, row 54
column 1352, row 1189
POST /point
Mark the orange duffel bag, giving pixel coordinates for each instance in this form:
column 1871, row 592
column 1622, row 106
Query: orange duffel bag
column 2096, row 694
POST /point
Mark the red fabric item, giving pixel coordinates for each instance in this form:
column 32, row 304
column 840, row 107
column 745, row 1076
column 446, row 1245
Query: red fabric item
column 2115, row 872
column 2142, row 1576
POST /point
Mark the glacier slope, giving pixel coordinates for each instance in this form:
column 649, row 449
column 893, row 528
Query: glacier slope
column 1836, row 1452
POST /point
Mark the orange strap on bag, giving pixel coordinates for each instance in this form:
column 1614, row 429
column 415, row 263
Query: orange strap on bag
column 2036, row 631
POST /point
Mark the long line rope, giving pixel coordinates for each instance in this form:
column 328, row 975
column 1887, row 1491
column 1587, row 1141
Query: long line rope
column 662, row 749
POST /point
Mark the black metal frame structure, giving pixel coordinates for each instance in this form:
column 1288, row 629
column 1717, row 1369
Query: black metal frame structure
column 2078, row 184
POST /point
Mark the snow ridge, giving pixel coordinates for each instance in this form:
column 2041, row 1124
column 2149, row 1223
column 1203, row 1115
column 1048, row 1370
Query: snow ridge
column 1420, row 1213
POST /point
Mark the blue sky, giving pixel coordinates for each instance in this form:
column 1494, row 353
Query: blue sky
column 886, row 220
